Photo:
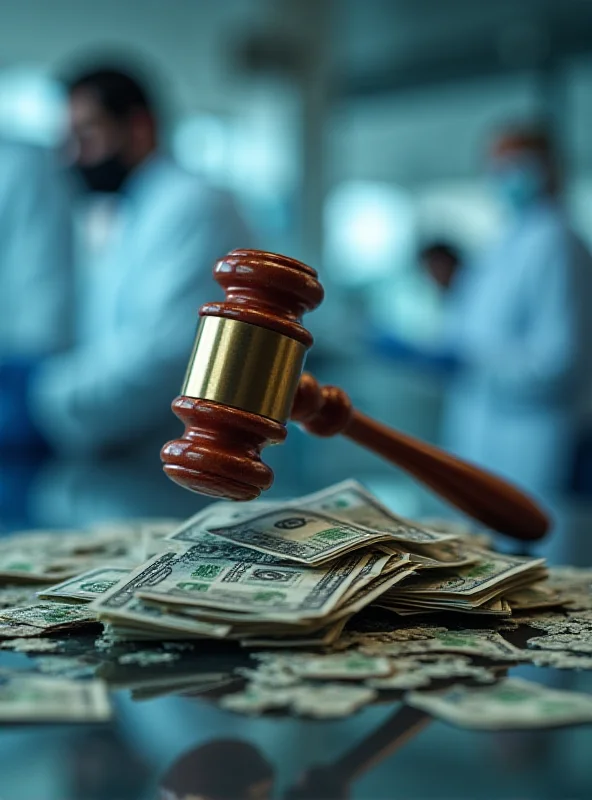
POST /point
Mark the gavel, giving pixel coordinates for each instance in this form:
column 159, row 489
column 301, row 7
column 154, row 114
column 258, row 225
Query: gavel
column 244, row 382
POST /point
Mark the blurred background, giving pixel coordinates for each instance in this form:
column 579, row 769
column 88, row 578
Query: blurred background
column 353, row 135
column 349, row 134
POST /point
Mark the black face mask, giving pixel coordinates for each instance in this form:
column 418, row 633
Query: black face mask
column 107, row 176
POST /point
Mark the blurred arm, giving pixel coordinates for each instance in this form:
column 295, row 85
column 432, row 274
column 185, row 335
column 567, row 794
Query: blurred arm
column 411, row 354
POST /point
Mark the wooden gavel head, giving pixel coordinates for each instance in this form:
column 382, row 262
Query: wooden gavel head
column 243, row 374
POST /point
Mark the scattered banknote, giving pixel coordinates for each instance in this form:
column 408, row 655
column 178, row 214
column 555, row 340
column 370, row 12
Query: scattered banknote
column 34, row 698
column 146, row 658
column 561, row 660
column 342, row 666
column 11, row 596
column 65, row 667
column 483, row 643
column 412, row 673
column 511, row 704
column 325, row 701
column 573, row 586
column 32, row 645
column 331, row 701
column 568, row 642
column 85, row 587
column 49, row 616
column 14, row 630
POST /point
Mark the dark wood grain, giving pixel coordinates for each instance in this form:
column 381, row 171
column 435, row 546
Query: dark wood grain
column 327, row 410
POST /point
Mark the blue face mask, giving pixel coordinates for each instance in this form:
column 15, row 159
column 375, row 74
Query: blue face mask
column 519, row 183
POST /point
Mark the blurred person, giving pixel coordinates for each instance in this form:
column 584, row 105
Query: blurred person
column 36, row 280
column 521, row 328
column 36, row 252
column 136, row 309
column 517, row 338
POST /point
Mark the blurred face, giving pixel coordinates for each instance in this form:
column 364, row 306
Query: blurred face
column 96, row 135
column 101, row 143
column 519, row 176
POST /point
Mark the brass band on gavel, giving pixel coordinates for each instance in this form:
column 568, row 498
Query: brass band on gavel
column 244, row 366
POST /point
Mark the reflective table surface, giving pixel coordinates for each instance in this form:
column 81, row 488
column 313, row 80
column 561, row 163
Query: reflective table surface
column 169, row 738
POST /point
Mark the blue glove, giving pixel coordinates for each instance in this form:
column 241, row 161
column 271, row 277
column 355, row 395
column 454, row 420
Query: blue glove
column 17, row 430
column 396, row 349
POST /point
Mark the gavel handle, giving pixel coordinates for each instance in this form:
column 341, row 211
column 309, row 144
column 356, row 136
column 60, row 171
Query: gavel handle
column 499, row 505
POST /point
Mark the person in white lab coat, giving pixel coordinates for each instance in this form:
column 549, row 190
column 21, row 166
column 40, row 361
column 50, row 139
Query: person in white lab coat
column 35, row 252
column 35, row 278
column 521, row 330
column 137, row 306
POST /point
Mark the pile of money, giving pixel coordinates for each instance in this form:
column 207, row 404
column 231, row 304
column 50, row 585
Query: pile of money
column 340, row 600
column 293, row 574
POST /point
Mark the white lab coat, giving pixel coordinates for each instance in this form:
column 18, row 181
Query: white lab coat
column 138, row 315
column 521, row 323
column 35, row 253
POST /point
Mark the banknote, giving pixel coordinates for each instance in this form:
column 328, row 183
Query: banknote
column 194, row 533
column 28, row 567
column 369, row 594
column 492, row 569
column 377, row 565
column 135, row 619
column 484, row 643
column 275, row 590
column 511, row 704
column 31, row 698
column 288, row 533
column 23, row 595
column 85, row 587
column 536, row 596
column 347, row 666
column 49, row 615
column 567, row 642
column 326, row 701
column 34, row 644
column 14, row 630
column 351, row 502
column 561, row 660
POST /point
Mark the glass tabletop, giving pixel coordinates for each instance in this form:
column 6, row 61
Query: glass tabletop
column 170, row 738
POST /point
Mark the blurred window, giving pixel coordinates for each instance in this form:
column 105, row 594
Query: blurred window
column 202, row 144
column 369, row 230
column 32, row 107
